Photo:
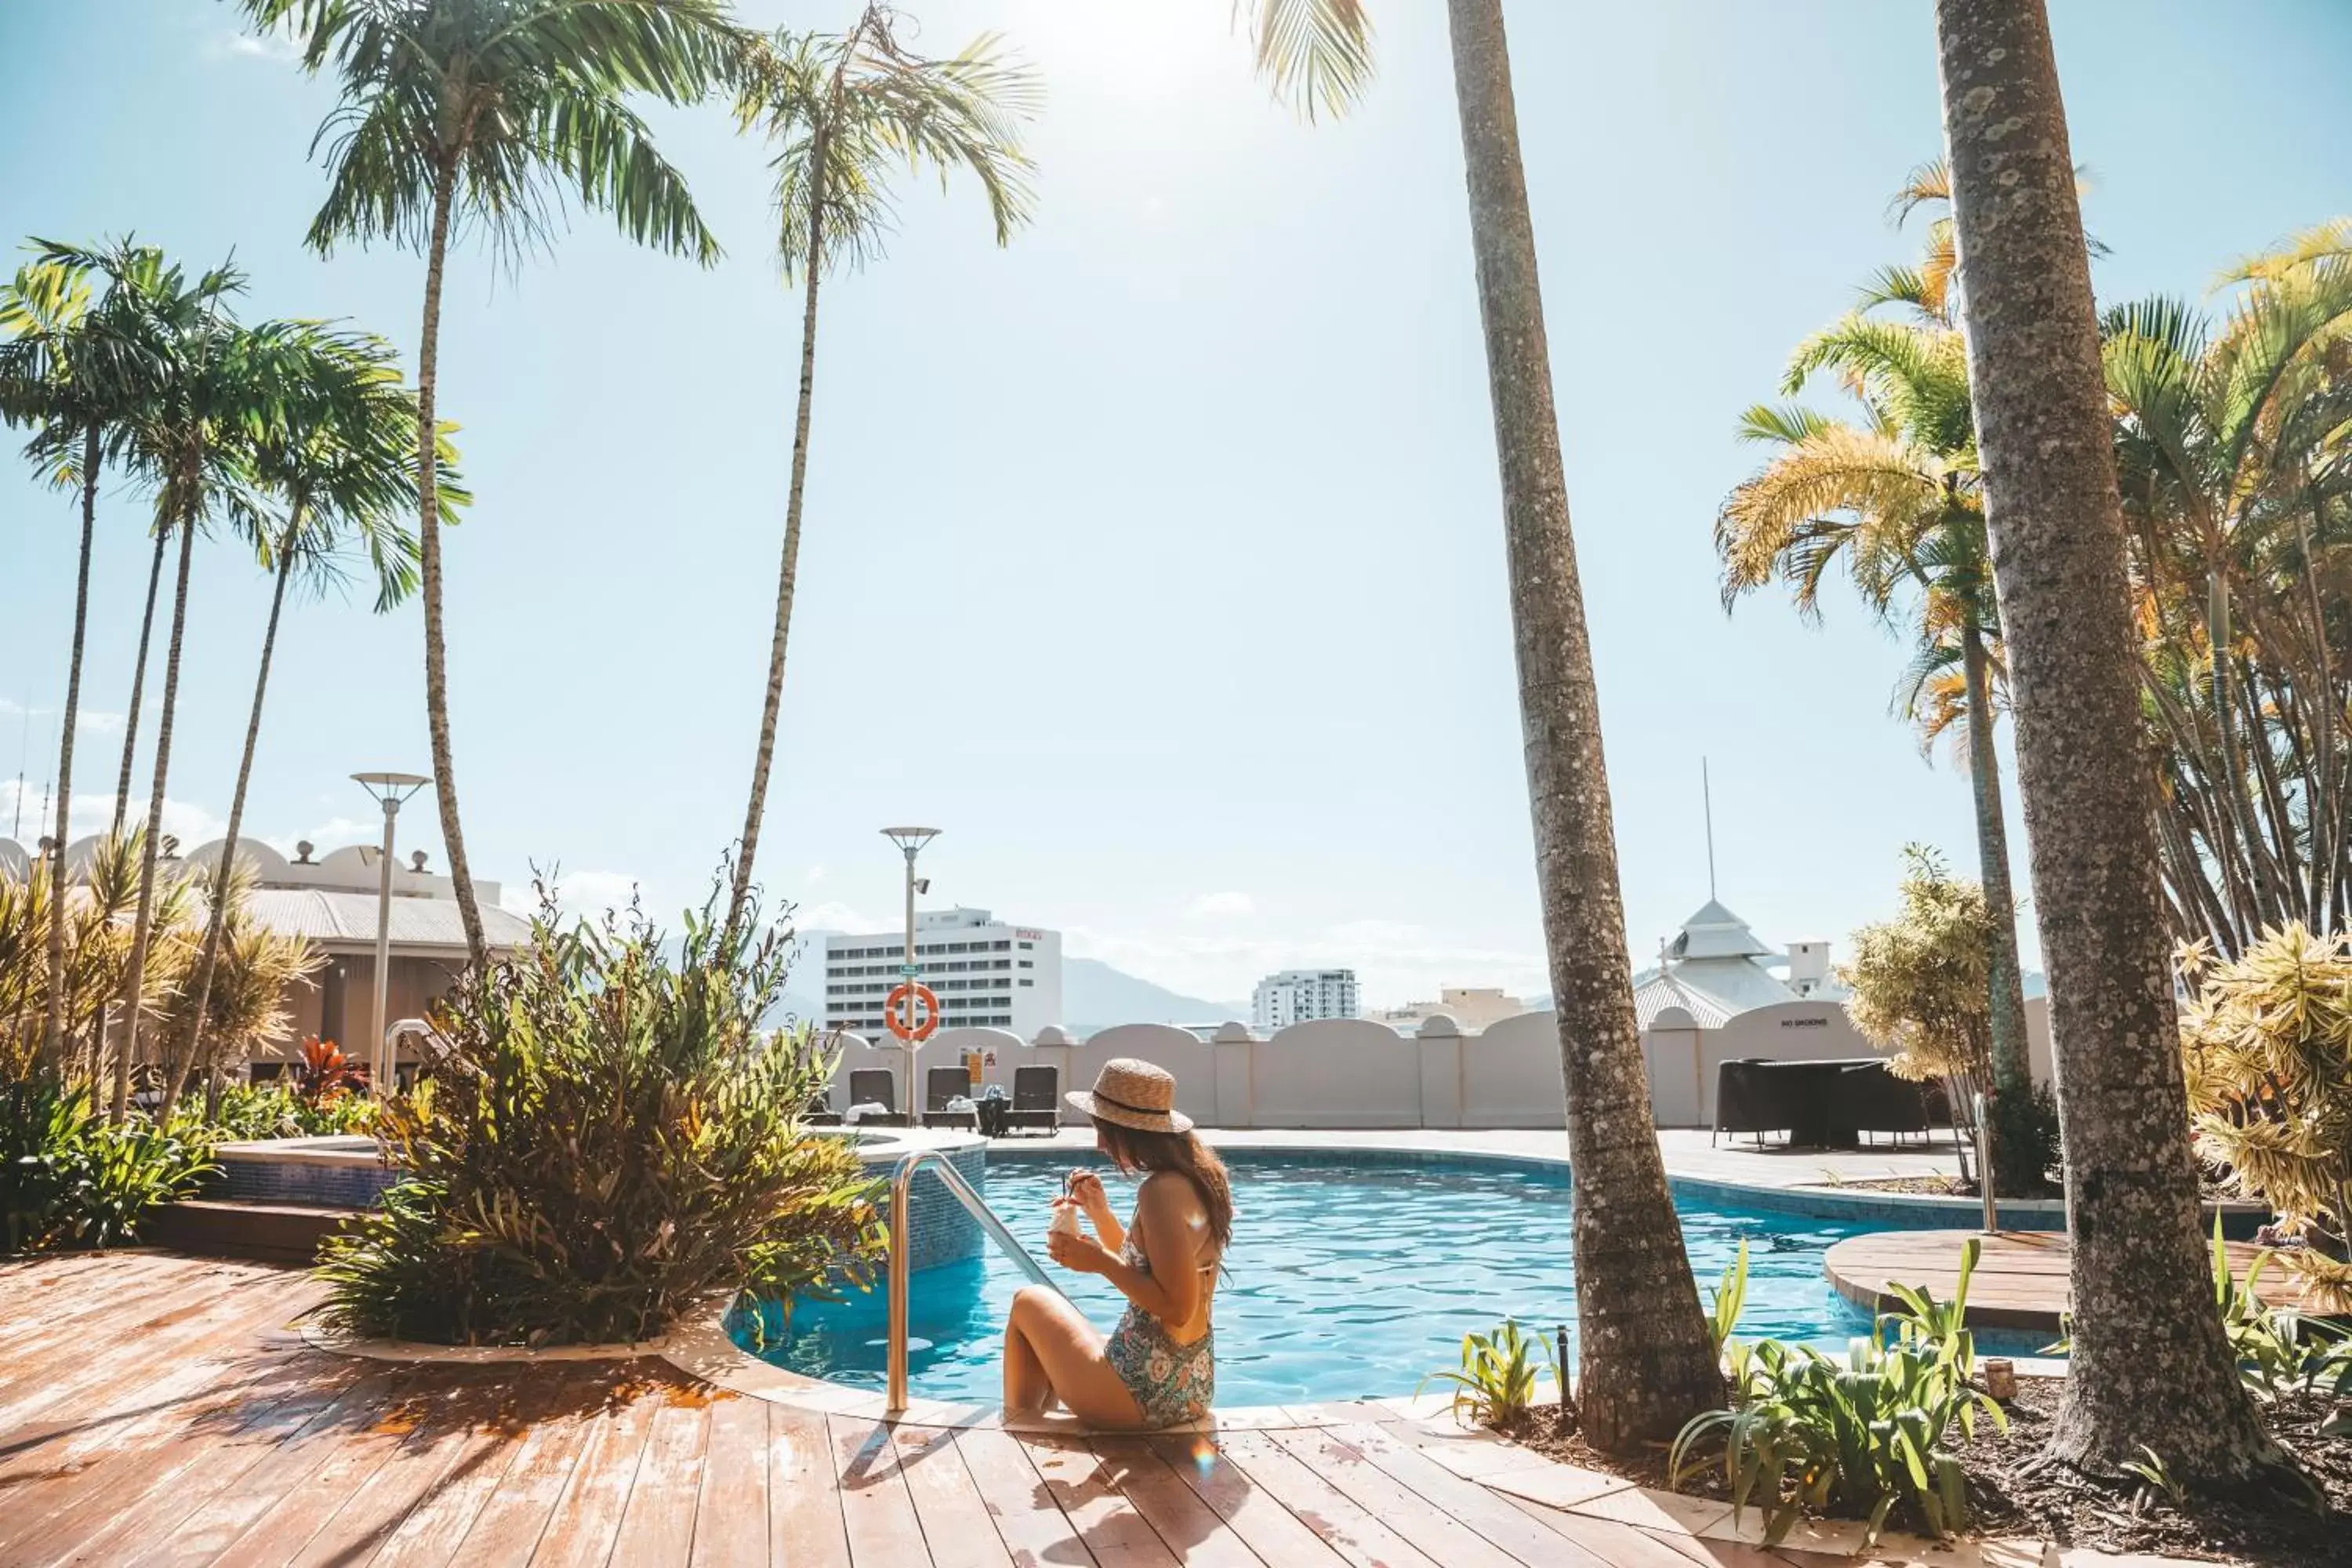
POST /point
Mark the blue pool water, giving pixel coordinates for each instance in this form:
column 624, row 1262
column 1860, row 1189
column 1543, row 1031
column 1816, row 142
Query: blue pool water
column 1348, row 1278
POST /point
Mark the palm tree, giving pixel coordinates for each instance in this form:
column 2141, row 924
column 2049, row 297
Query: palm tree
column 844, row 112
column 74, row 372
column 1896, row 499
column 486, row 111
column 216, row 384
column 2151, row 1372
column 1647, row 1362
column 342, row 459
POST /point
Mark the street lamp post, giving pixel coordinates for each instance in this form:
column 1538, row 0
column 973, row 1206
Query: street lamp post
column 911, row 840
column 390, row 790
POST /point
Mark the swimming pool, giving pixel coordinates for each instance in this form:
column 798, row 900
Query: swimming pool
column 1349, row 1275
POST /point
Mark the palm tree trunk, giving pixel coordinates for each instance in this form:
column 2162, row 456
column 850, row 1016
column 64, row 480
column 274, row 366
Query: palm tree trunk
column 1647, row 1362
column 2014, row 1171
column 428, row 535
column 53, row 1035
column 739, row 896
column 134, row 980
column 216, row 921
column 2149, row 1363
column 138, row 684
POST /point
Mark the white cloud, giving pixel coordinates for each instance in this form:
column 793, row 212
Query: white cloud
column 577, row 893
column 834, row 916
column 87, row 720
column 1217, row 906
column 276, row 49
column 190, row 823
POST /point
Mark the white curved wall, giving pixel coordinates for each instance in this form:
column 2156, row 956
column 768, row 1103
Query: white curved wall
column 1336, row 1072
column 1510, row 1074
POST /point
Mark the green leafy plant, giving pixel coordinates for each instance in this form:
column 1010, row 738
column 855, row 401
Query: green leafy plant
column 609, row 1141
column 1728, row 1300
column 2156, row 1477
column 1858, row 1435
column 2280, row 1350
column 67, row 1177
column 325, row 1074
column 1495, row 1385
column 1937, row 1330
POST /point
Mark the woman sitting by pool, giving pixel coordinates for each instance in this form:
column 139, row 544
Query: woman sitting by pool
column 1158, row 1366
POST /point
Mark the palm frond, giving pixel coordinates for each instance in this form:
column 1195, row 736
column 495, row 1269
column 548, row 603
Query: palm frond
column 1316, row 55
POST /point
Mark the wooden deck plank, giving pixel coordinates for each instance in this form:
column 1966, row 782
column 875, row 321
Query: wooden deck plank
column 46, row 1300
column 958, row 1528
column 159, row 1337
column 580, row 1530
column 438, row 1523
column 731, row 1515
column 1466, row 1501
column 1264, row 1524
column 875, row 1508
column 2020, row 1280
column 558, row 1428
column 448, row 1418
column 806, row 1527
column 192, row 1453
column 658, row 1526
column 1353, row 1531
column 358, row 1451
column 1629, row 1546
column 1029, row 1521
column 1119, row 1535
column 1429, row 1529
column 1196, row 1533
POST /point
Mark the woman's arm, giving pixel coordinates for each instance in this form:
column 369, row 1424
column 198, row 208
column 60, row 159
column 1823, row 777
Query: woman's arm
column 1164, row 1215
column 1087, row 1188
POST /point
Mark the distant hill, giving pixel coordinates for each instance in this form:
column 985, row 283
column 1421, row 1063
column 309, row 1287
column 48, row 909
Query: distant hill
column 1095, row 997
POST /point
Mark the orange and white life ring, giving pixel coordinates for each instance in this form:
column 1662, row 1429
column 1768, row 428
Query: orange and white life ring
column 901, row 1018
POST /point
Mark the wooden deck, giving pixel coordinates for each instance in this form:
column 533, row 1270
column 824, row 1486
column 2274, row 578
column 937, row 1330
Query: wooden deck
column 2020, row 1276
column 157, row 1409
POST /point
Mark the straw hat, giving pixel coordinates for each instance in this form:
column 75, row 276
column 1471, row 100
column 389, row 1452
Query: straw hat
column 1133, row 1094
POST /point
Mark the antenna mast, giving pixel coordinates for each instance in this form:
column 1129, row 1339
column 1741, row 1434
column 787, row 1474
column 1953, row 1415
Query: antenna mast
column 1706, row 794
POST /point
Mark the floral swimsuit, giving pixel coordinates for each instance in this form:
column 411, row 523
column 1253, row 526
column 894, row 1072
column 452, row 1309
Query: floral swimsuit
column 1172, row 1382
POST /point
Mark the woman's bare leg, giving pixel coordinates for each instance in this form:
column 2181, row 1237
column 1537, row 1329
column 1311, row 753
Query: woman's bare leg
column 1051, row 1349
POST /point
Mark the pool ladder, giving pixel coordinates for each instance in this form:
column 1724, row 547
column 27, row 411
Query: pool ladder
column 951, row 1178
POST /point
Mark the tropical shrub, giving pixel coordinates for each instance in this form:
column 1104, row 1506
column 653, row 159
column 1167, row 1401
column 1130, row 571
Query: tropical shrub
column 2266, row 1048
column 2280, row 1351
column 69, row 1177
column 246, row 1111
column 1495, row 1385
column 608, row 1141
column 326, row 1074
column 1860, row 1436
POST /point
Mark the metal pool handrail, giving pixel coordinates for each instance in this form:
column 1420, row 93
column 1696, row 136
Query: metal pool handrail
column 951, row 1178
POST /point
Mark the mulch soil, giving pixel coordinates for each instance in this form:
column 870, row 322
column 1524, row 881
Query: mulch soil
column 2012, row 1494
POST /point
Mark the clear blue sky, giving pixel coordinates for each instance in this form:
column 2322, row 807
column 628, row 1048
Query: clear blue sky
column 1158, row 557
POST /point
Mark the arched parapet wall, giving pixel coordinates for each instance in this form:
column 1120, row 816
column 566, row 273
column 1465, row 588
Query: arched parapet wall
column 1336, row 1072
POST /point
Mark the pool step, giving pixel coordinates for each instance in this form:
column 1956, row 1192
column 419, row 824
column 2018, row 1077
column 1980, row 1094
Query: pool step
column 267, row 1232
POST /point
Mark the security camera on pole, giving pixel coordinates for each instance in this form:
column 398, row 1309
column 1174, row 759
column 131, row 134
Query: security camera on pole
column 899, row 1010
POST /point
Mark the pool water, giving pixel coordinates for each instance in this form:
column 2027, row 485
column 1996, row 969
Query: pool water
column 1347, row 1278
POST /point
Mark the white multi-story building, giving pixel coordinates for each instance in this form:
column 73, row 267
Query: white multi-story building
column 1295, row 995
column 984, row 971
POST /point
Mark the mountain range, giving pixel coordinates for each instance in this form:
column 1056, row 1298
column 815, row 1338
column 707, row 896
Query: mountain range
column 1095, row 997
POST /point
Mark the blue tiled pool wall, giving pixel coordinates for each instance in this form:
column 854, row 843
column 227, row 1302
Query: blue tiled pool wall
column 940, row 1229
column 340, row 1186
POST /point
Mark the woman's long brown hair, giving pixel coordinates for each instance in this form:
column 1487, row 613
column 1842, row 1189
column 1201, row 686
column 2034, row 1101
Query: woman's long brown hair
column 1131, row 1149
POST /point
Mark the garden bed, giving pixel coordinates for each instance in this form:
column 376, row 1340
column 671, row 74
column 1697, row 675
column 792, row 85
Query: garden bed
column 2009, row 1497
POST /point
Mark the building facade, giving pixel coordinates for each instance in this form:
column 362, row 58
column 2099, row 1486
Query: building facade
column 1298, row 996
column 1472, row 1006
column 987, row 973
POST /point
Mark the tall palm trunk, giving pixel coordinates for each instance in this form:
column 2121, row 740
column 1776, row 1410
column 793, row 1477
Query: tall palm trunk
column 787, row 573
column 1645, row 1361
column 2149, row 1364
column 428, row 535
column 187, row 1055
column 2014, row 1171
column 138, row 685
column 53, row 1034
column 134, row 979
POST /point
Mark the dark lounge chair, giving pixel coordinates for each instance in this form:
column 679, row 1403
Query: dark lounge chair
column 1749, row 1097
column 940, row 1085
column 874, row 1086
column 1036, row 1099
column 1871, row 1100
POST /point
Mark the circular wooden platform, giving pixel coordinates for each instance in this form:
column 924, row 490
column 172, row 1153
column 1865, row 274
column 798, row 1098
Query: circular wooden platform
column 2020, row 1280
